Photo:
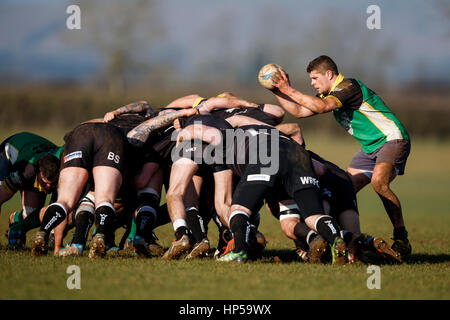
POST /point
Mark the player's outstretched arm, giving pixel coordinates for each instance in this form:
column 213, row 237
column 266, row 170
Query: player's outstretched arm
column 134, row 107
column 297, row 103
column 140, row 134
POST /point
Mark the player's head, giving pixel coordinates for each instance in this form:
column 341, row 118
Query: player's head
column 322, row 71
column 48, row 173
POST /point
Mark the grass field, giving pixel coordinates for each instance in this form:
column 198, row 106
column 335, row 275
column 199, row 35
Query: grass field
column 425, row 195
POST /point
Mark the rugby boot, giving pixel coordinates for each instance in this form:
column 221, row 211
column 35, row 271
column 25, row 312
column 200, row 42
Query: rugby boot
column 224, row 236
column 402, row 247
column 141, row 247
column 256, row 244
column 177, row 248
column 301, row 254
column 239, row 257
column 199, row 249
column 128, row 245
column 339, row 252
column 98, row 246
column 228, row 248
column 317, row 249
column 74, row 250
column 382, row 247
column 39, row 245
column 51, row 240
column 356, row 248
column 155, row 249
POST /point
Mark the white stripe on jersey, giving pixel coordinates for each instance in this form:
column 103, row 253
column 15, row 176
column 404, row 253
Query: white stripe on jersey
column 385, row 125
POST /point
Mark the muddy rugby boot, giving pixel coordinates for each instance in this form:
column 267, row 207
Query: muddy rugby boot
column 339, row 252
column 386, row 251
column 199, row 249
column 74, row 250
column 317, row 249
column 402, row 247
column 239, row 257
column 39, row 245
column 177, row 248
column 98, row 246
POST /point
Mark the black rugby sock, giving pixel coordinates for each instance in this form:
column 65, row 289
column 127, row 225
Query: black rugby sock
column 83, row 222
column 145, row 220
column 180, row 232
column 240, row 227
column 327, row 227
column 104, row 214
column 53, row 216
column 255, row 219
column 195, row 223
column 400, row 233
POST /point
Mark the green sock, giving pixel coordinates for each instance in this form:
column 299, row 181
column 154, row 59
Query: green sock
column 30, row 222
column 132, row 231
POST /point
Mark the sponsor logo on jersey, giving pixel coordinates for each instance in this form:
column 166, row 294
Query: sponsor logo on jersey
column 73, row 155
column 309, row 180
column 258, row 177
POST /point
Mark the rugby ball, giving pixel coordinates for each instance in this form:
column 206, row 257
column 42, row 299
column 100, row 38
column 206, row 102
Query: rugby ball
column 265, row 74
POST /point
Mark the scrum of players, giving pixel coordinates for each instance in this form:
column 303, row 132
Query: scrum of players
column 110, row 173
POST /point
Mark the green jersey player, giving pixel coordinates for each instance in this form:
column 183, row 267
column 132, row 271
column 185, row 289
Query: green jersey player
column 30, row 164
column 385, row 143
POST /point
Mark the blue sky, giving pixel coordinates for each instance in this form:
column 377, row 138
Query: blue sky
column 203, row 33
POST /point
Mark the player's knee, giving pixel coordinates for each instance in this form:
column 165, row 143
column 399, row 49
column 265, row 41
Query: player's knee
column 172, row 196
column 379, row 185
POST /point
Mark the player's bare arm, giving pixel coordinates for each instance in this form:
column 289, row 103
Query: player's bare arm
column 215, row 103
column 183, row 102
column 140, row 134
column 240, row 121
column 292, row 130
column 205, row 133
column 299, row 100
column 134, row 107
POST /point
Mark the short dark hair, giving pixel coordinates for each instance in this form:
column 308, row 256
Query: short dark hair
column 49, row 167
column 322, row 64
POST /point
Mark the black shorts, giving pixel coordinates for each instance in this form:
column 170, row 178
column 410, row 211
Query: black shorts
column 95, row 144
column 295, row 173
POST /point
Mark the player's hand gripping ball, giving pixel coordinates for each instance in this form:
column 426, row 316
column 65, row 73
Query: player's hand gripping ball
column 266, row 73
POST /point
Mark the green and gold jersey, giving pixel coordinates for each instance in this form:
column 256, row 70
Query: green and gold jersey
column 21, row 150
column 29, row 147
column 364, row 115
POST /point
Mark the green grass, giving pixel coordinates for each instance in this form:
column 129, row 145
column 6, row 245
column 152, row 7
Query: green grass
column 425, row 195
